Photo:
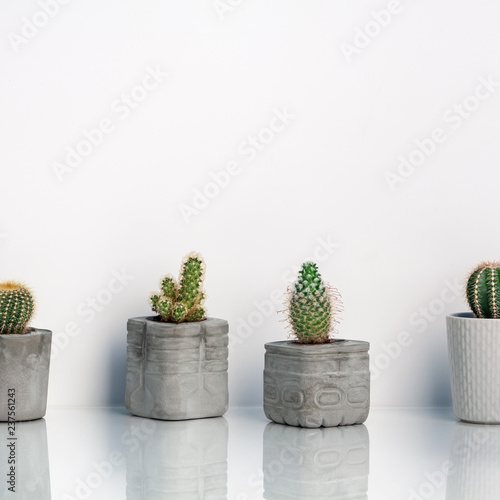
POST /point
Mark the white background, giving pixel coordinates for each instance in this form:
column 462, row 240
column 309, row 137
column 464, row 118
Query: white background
column 323, row 177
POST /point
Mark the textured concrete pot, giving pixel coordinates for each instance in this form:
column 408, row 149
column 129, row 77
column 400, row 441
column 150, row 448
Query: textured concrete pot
column 24, row 368
column 474, row 356
column 316, row 464
column 314, row 385
column 31, row 461
column 474, row 463
column 178, row 460
column 177, row 371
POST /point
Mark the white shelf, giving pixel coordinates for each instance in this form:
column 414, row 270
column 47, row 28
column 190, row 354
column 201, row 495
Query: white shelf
column 105, row 453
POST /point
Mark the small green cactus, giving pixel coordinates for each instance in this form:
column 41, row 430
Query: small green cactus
column 182, row 301
column 17, row 306
column 483, row 290
column 312, row 306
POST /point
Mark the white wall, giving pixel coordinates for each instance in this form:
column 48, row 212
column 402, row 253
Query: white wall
column 322, row 177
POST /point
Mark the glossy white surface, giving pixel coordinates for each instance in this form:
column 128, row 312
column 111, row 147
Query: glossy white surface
column 108, row 454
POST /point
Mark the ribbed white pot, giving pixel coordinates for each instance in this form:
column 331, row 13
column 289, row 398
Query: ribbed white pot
column 474, row 356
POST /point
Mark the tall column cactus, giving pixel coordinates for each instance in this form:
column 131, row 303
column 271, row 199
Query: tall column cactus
column 312, row 306
column 483, row 290
column 17, row 306
column 182, row 301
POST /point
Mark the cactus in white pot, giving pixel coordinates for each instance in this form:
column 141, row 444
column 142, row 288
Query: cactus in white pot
column 474, row 348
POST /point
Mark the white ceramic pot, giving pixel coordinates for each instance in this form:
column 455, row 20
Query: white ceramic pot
column 474, row 356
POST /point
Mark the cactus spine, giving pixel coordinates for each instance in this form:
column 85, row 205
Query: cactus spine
column 17, row 306
column 312, row 306
column 483, row 290
column 182, row 301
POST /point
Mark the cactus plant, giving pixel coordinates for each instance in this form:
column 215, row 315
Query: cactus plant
column 483, row 290
column 17, row 306
column 182, row 301
column 312, row 306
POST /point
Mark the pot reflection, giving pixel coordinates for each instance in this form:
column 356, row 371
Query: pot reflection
column 325, row 463
column 24, row 461
column 474, row 463
column 185, row 460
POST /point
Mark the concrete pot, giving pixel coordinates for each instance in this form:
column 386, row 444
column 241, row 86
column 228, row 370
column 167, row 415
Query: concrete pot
column 177, row 371
column 31, row 474
column 24, row 367
column 474, row 355
column 316, row 464
column 314, row 385
column 180, row 460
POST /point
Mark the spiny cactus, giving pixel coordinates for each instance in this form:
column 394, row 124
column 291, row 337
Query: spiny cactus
column 312, row 306
column 483, row 290
column 17, row 306
column 182, row 301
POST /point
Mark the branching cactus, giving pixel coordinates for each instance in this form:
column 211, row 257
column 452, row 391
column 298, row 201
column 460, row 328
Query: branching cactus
column 181, row 301
column 17, row 306
column 312, row 306
column 483, row 290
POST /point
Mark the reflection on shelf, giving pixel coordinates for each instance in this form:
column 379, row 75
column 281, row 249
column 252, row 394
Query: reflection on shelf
column 24, row 461
column 185, row 460
column 326, row 463
column 474, row 468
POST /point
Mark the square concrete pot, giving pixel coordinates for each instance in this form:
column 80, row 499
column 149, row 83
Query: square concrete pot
column 474, row 357
column 316, row 464
column 315, row 385
column 177, row 371
column 24, row 375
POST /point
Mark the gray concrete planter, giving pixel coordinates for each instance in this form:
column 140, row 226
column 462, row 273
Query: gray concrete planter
column 474, row 356
column 24, row 372
column 314, row 385
column 177, row 371
column 316, row 464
